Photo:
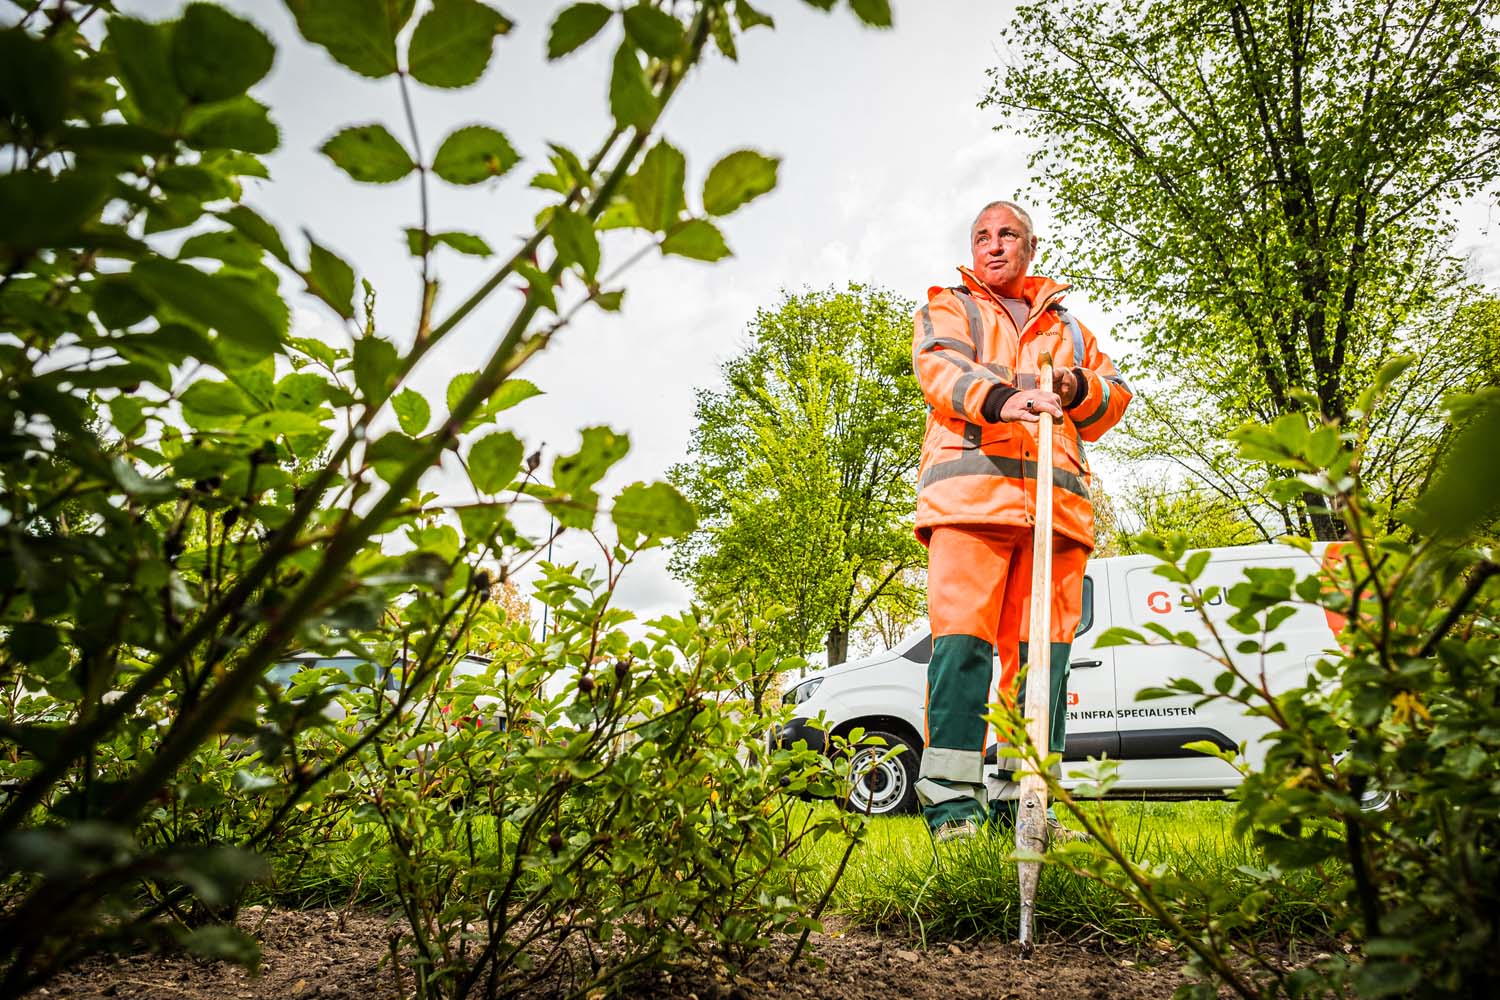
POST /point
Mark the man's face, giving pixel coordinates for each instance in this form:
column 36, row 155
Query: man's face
column 1002, row 250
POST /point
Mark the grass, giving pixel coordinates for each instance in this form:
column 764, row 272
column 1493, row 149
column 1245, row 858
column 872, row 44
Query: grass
column 896, row 882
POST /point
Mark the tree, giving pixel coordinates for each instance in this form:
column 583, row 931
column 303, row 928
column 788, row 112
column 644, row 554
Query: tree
column 803, row 470
column 1267, row 185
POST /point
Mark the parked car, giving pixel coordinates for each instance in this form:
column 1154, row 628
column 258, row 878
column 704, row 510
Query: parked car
column 385, row 679
column 884, row 694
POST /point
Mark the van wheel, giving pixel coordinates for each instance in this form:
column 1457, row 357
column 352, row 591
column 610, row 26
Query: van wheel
column 883, row 788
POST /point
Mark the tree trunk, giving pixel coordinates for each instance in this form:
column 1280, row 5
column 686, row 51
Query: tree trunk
column 1326, row 526
column 838, row 645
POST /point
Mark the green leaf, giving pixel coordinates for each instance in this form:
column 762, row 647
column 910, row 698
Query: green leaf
column 876, row 13
column 200, row 182
column 330, row 279
column 375, row 363
column 117, row 303
column 656, row 188
column 361, row 34
column 574, row 26
column 453, row 42
column 31, row 641
column 1383, row 979
column 723, row 33
column 656, row 510
column 228, row 245
column 253, row 225
column 473, row 154
column 698, row 239
column 538, row 284
column 494, row 461
column 462, row 242
column 390, row 454
column 576, row 474
column 736, row 179
column 216, row 399
column 412, row 411
column 573, row 236
column 299, row 391
column 242, row 123
column 749, row 17
column 34, row 82
column 216, row 55
column 369, row 153
column 117, row 138
column 654, row 30
column 1464, row 495
column 279, row 422
column 41, row 210
column 630, row 98
column 458, row 387
column 144, row 54
column 234, row 163
column 241, row 309
column 1388, row 373
column 511, row 392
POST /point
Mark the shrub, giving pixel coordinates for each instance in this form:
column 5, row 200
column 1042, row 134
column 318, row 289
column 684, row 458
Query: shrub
column 191, row 491
column 1379, row 773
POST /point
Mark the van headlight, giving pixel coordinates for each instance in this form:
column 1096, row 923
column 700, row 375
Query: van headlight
column 802, row 692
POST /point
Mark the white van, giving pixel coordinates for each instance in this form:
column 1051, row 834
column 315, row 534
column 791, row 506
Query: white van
column 884, row 694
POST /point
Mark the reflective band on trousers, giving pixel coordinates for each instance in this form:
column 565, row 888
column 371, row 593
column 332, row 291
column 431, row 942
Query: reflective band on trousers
column 980, row 464
column 952, row 765
column 931, row 792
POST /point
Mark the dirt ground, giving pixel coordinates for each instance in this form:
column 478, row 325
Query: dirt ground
column 335, row 956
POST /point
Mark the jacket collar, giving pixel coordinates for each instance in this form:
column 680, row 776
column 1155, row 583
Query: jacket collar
column 1038, row 291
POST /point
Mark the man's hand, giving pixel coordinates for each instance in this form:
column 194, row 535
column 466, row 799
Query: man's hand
column 1028, row 405
column 1064, row 383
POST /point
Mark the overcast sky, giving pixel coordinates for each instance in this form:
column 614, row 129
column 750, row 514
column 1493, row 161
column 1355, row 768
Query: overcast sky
column 885, row 158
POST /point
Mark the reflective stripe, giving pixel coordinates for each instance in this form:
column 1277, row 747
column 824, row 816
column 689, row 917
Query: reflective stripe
column 1002, row 370
column 926, row 315
column 960, row 388
column 1075, row 330
column 1118, row 380
column 972, row 463
column 952, row 765
column 957, row 346
column 931, row 793
column 976, row 325
column 1098, row 414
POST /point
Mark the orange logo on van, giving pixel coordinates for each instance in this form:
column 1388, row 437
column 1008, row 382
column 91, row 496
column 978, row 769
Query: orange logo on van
column 1072, row 697
column 1158, row 601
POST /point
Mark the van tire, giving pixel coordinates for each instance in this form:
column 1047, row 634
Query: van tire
column 890, row 788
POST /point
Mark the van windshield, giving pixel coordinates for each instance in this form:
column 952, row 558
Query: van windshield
column 283, row 672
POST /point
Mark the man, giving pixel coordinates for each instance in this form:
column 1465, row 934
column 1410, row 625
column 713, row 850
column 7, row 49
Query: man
column 976, row 352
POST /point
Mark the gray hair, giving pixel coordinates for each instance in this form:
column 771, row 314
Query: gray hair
column 1021, row 214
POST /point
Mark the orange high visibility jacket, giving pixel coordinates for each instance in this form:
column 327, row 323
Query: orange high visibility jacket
column 974, row 472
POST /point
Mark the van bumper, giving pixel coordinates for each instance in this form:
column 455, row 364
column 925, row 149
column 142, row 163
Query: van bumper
column 799, row 730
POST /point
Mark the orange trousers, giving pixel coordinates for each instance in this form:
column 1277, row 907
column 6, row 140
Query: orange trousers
column 979, row 604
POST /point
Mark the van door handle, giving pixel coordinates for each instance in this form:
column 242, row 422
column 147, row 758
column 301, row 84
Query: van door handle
column 1086, row 664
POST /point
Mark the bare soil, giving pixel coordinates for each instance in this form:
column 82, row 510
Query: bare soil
column 338, row 956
